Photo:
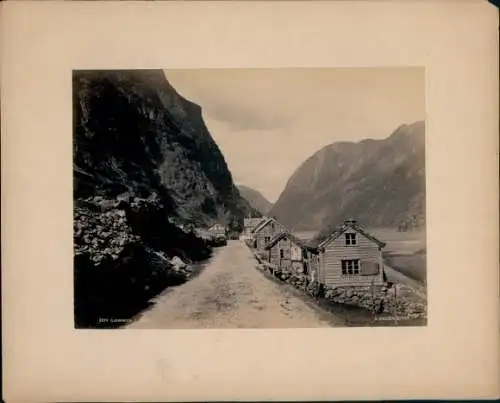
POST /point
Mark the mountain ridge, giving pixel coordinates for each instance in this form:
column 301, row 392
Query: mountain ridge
column 154, row 140
column 255, row 198
column 381, row 182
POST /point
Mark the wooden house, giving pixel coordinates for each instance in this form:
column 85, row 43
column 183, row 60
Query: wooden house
column 217, row 229
column 249, row 225
column 350, row 257
column 203, row 234
column 288, row 252
column 263, row 233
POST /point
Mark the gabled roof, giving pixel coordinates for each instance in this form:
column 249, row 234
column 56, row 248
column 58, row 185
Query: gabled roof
column 287, row 234
column 253, row 222
column 263, row 224
column 350, row 225
column 215, row 226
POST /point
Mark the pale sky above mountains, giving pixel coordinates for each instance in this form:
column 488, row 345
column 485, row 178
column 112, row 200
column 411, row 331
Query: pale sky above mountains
column 267, row 122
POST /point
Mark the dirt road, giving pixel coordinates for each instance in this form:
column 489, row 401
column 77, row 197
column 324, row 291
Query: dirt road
column 231, row 293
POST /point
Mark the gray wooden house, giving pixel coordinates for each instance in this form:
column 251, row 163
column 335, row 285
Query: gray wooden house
column 262, row 233
column 288, row 252
column 350, row 257
column 217, row 230
column 249, row 224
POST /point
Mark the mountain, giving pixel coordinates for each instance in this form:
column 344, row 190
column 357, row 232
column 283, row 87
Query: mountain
column 135, row 134
column 378, row 182
column 146, row 172
column 255, row 199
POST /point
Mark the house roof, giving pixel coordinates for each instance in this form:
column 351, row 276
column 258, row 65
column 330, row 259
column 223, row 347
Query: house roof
column 263, row 224
column 287, row 234
column 216, row 226
column 350, row 224
column 253, row 222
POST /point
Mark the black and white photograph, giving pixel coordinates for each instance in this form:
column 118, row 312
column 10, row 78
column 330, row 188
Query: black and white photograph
column 249, row 198
column 194, row 190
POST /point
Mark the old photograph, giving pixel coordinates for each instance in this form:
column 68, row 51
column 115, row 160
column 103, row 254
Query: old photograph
column 249, row 198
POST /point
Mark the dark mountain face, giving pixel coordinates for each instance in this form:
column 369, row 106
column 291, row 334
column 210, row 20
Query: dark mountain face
column 255, row 199
column 145, row 170
column 134, row 134
column 378, row 182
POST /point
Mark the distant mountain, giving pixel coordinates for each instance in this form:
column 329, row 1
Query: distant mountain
column 256, row 199
column 378, row 182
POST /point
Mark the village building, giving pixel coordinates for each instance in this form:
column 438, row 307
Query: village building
column 287, row 252
column 203, row 234
column 263, row 232
column 249, row 224
column 350, row 257
column 217, row 229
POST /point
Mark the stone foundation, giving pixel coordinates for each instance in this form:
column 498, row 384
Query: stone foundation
column 380, row 299
column 295, row 278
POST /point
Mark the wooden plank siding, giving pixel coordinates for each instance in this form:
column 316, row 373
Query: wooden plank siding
column 264, row 235
column 250, row 224
column 288, row 253
column 275, row 255
column 330, row 261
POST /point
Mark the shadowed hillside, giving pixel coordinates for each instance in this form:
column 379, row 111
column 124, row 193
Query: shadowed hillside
column 145, row 166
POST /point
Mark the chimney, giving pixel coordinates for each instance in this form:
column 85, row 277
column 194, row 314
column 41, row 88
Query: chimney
column 350, row 221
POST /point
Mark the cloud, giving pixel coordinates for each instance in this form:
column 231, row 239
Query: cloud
column 267, row 122
column 246, row 99
column 246, row 117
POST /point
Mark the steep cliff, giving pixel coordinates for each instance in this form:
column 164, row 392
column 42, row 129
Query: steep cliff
column 144, row 167
column 378, row 182
column 134, row 134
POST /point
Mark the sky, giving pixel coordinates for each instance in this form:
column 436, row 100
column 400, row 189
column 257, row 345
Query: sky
column 267, row 122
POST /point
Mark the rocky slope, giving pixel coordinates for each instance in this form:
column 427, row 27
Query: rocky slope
column 144, row 165
column 379, row 182
column 135, row 134
column 255, row 199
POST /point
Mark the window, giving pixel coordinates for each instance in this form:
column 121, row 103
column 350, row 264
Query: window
column 350, row 267
column 350, row 239
column 267, row 239
column 282, row 253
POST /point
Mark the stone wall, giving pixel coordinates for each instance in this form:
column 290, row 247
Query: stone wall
column 397, row 300
column 381, row 299
column 298, row 280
